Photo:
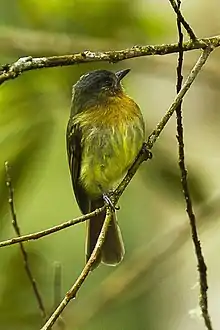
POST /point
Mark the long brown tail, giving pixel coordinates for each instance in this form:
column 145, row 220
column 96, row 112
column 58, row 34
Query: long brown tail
column 113, row 248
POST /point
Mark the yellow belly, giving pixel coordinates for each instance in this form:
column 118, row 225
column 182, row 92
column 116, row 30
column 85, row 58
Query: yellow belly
column 104, row 165
column 111, row 143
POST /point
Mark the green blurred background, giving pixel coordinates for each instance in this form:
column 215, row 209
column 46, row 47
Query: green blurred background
column 156, row 286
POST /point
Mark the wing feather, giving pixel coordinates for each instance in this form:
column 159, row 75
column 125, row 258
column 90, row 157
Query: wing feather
column 74, row 152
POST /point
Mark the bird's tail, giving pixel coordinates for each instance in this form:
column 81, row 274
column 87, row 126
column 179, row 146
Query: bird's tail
column 113, row 247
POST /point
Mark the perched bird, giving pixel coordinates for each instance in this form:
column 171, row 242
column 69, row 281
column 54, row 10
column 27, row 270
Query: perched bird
column 105, row 132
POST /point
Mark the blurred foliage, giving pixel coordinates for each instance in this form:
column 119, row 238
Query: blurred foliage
column 33, row 116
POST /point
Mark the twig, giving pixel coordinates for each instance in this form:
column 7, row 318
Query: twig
column 178, row 86
column 15, row 69
column 23, row 251
column 189, row 208
column 144, row 155
column 182, row 20
column 51, row 230
column 71, row 294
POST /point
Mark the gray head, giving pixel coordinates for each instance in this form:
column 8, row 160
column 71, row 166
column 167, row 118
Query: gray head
column 94, row 87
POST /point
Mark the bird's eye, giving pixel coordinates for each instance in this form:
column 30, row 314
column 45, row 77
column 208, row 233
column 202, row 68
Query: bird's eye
column 108, row 83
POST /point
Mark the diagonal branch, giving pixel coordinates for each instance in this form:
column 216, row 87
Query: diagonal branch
column 51, row 230
column 144, row 155
column 23, row 251
column 182, row 20
column 12, row 71
column 189, row 208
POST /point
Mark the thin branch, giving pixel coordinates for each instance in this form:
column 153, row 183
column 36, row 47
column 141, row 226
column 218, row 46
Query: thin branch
column 144, row 155
column 71, row 294
column 23, row 251
column 182, row 20
column 51, row 230
column 189, row 208
column 12, row 71
column 179, row 86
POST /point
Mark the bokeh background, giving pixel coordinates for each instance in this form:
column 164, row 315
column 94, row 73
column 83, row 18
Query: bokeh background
column 156, row 286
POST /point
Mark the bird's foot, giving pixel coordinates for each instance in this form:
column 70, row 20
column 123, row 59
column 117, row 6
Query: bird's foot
column 146, row 151
column 108, row 201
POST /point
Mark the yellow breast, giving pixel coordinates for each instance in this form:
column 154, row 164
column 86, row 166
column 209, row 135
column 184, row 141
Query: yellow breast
column 112, row 135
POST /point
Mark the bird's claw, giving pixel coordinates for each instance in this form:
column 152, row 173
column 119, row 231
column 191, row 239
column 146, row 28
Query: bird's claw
column 108, row 201
column 146, row 151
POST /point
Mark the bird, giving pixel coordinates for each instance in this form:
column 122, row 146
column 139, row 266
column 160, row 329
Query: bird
column 104, row 135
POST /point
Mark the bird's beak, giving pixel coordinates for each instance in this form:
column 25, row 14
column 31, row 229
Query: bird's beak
column 121, row 74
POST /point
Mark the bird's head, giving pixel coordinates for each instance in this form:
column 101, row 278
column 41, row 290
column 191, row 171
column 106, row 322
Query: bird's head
column 96, row 86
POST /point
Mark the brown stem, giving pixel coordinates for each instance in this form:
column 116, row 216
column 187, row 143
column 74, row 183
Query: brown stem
column 23, row 251
column 189, row 208
column 12, row 71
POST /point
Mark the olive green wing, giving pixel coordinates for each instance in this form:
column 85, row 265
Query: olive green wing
column 74, row 152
